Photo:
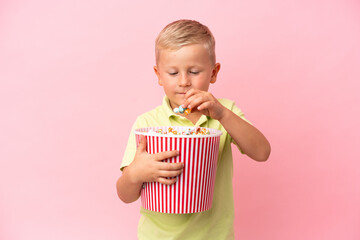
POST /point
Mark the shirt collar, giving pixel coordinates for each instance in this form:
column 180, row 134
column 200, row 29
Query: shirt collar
column 168, row 110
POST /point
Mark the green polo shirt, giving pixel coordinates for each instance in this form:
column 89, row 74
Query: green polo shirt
column 216, row 223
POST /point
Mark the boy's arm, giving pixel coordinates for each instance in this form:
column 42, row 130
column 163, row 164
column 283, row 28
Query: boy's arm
column 127, row 190
column 146, row 168
column 250, row 140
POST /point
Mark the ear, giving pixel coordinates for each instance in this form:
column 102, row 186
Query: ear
column 214, row 73
column 156, row 70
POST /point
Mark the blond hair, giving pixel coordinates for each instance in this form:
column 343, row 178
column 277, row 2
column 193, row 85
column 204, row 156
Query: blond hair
column 185, row 32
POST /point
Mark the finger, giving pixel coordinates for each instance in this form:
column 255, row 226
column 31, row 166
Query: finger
column 142, row 144
column 190, row 93
column 189, row 102
column 167, row 181
column 170, row 174
column 171, row 166
column 198, row 100
column 188, row 96
column 165, row 155
column 205, row 105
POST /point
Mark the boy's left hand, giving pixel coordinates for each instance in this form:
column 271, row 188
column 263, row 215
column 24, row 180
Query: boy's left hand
column 204, row 102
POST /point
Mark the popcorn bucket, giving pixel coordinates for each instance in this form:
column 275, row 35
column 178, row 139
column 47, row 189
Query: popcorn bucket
column 194, row 188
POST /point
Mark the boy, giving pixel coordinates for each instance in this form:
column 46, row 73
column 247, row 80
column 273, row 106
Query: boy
column 185, row 67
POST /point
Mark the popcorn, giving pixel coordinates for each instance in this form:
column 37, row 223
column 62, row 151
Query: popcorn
column 188, row 131
column 180, row 109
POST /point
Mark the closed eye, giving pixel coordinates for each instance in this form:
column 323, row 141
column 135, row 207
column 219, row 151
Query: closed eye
column 193, row 72
column 173, row 73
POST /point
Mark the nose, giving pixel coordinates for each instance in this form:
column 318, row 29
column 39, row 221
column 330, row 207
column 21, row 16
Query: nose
column 184, row 80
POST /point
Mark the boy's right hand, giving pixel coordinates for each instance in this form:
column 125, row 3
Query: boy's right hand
column 151, row 168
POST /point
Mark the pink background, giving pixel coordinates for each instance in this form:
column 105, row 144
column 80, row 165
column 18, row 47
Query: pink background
column 75, row 74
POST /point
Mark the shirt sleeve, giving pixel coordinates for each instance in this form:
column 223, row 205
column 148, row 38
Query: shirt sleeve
column 239, row 113
column 130, row 149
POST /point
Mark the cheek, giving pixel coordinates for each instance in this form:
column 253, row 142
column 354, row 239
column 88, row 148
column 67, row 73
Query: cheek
column 169, row 84
column 202, row 84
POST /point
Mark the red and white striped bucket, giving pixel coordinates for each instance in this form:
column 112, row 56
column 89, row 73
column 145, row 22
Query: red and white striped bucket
column 193, row 191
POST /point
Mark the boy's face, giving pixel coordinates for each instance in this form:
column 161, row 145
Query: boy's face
column 180, row 70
